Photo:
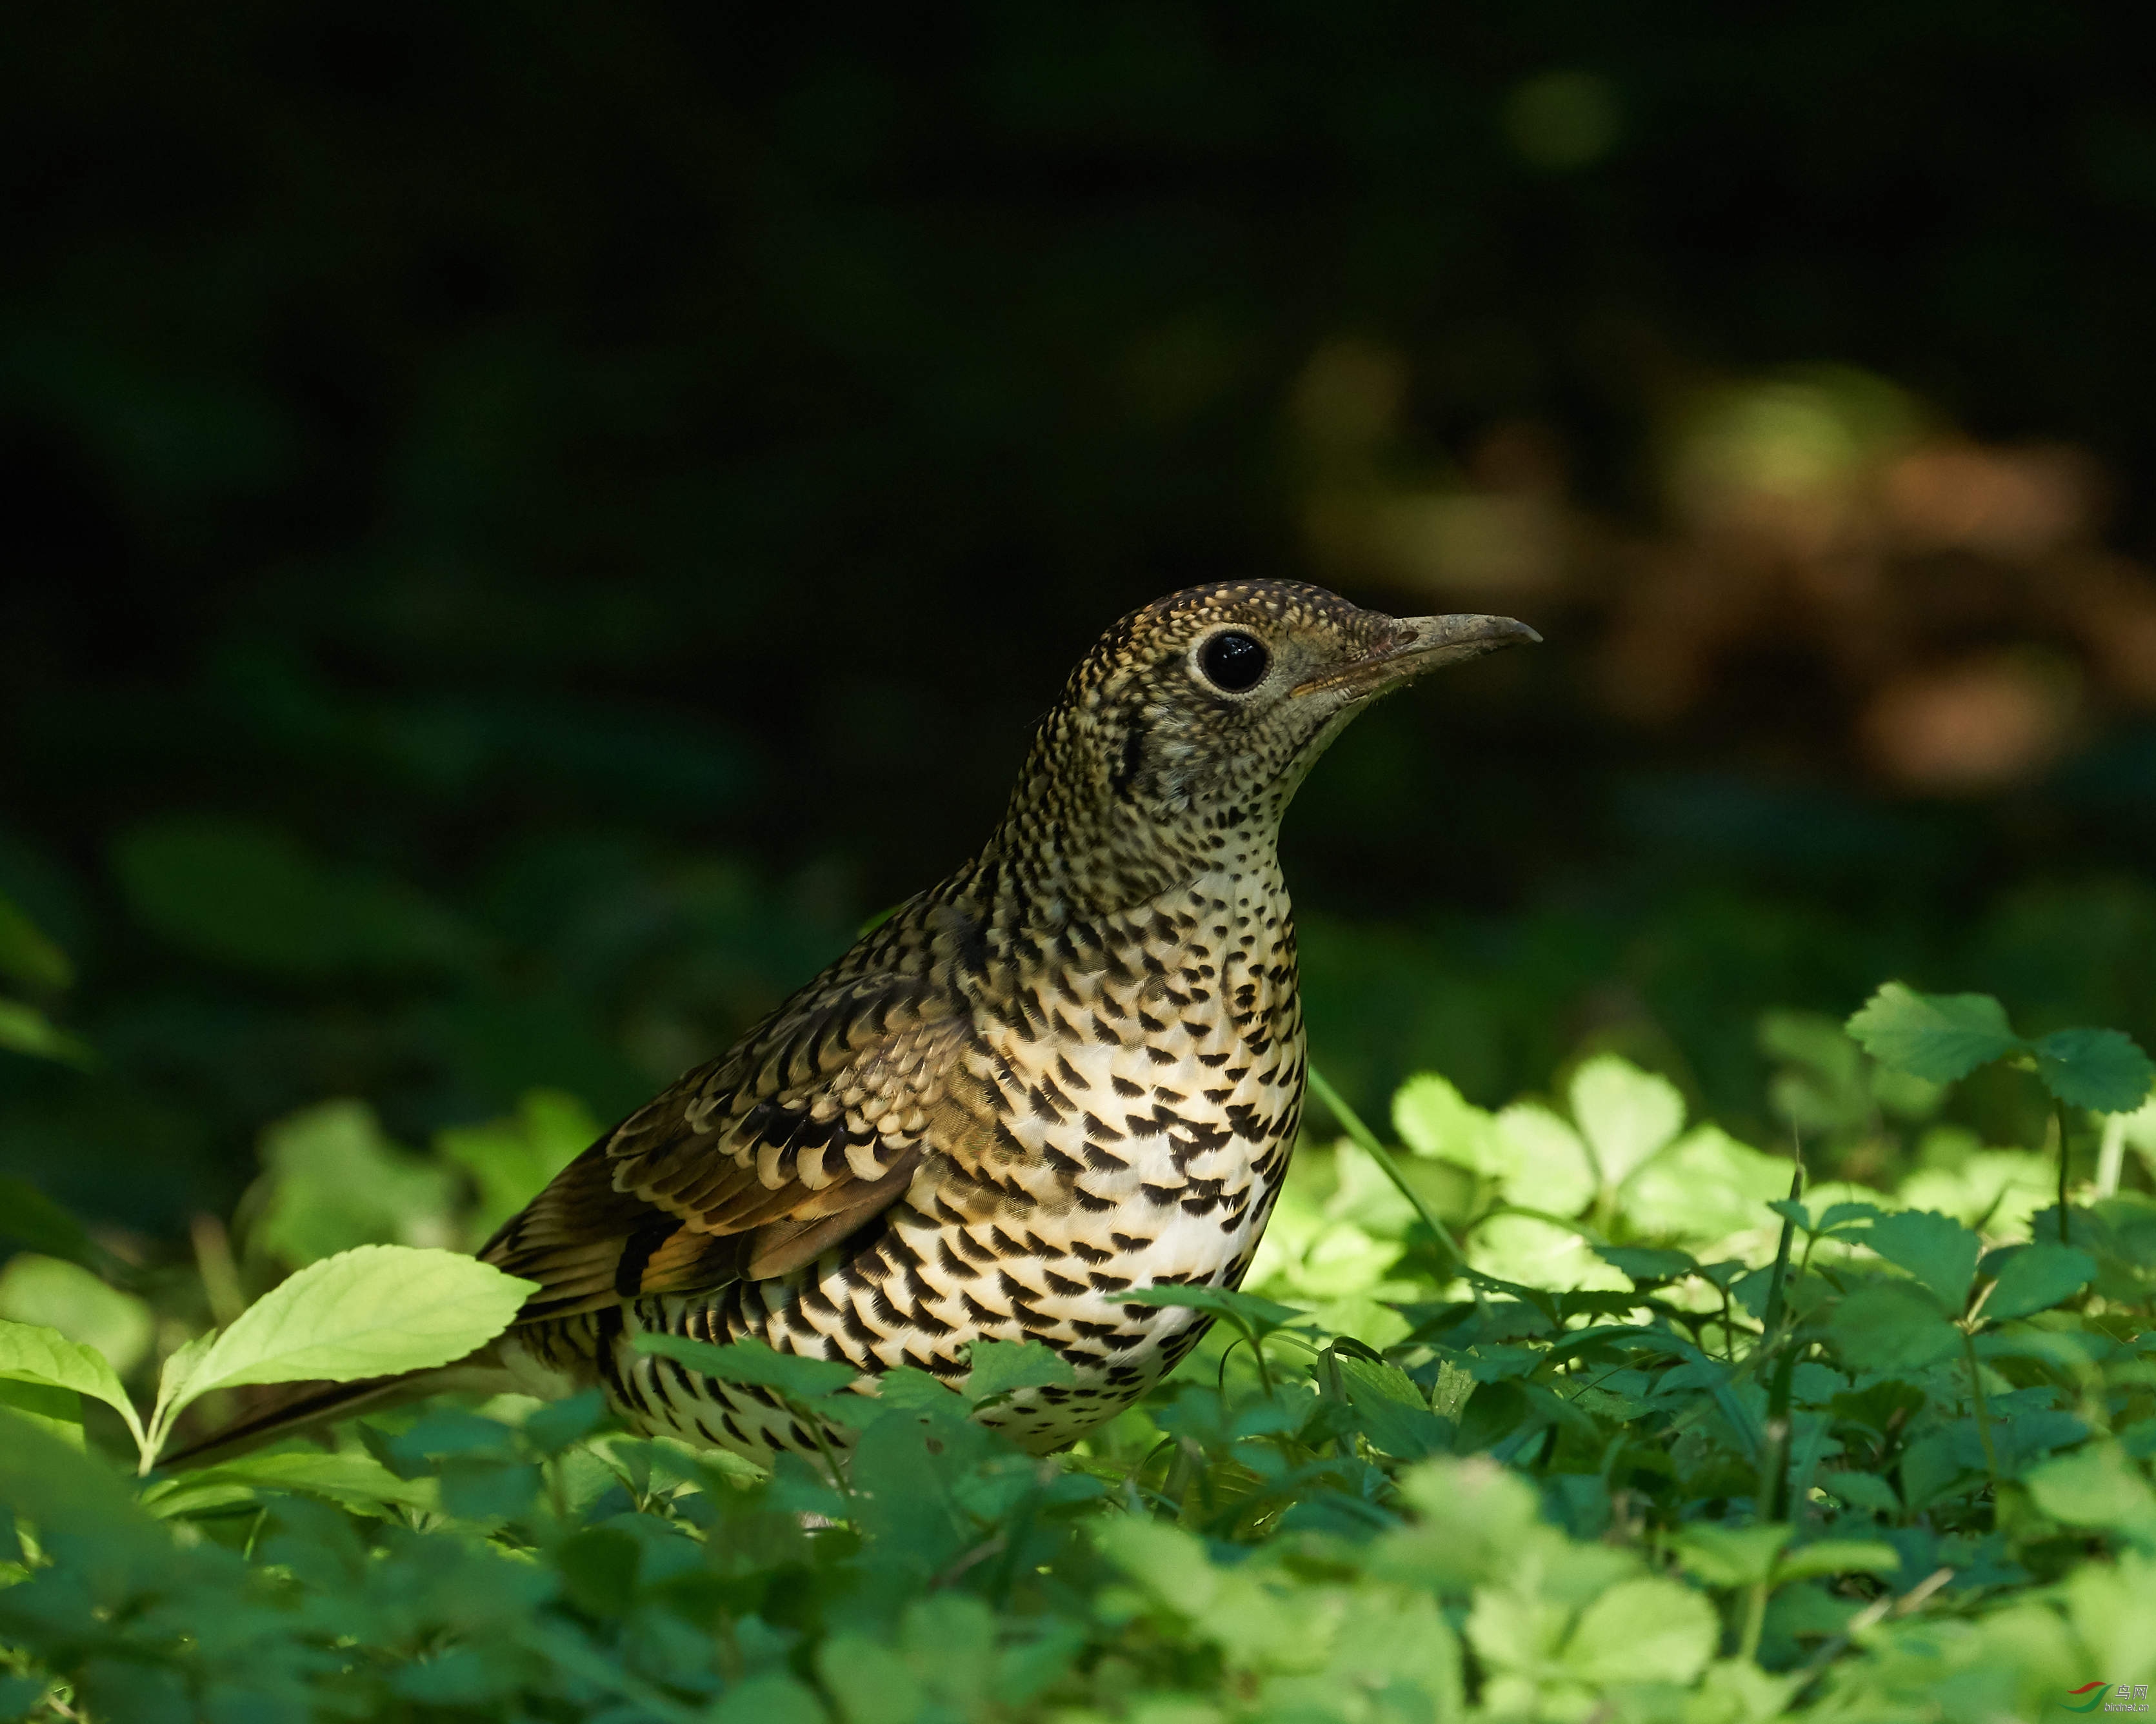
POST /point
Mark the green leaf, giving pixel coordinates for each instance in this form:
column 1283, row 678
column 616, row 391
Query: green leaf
column 1893, row 1326
column 1646, row 1265
column 511, row 1160
column 995, row 1368
column 27, row 955
column 1539, row 1162
column 872, row 1684
column 1434, row 1119
column 1940, row 1036
column 1625, row 1114
column 752, row 1361
column 2103, row 1071
column 29, row 1354
column 1646, row 1630
column 23, row 1030
column 60, row 1295
column 376, row 1311
column 1838, row 1556
column 1245, row 1310
column 333, row 1180
column 358, row 1480
column 1390, row 1408
column 1936, row 1249
column 1731, row 1556
column 1864, row 1490
column 2096, row 1486
column 2036, row 1277
column 55, row 1411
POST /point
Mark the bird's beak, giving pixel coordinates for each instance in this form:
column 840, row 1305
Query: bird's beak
column 1421, row 643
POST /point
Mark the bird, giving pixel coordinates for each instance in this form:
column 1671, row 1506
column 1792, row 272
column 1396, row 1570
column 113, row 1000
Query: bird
column 1073, row 1068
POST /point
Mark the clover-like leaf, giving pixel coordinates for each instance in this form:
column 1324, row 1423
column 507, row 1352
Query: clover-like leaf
column 2103, row 1071
column 1625, row 1114
column 1939, row 1036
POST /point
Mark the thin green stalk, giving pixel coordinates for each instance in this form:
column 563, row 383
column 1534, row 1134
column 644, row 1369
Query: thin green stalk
column 2111, row 1159
column 1775, row 1286
column 1976, row 1400
column 2059, row 1113
column 1366, row 1140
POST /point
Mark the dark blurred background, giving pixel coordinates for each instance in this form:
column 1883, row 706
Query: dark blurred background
column 528, row 522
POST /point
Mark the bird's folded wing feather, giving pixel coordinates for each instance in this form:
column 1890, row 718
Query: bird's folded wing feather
column 753, row 1165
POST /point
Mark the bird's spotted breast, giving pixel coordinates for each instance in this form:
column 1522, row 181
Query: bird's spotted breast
column 1130, row 1115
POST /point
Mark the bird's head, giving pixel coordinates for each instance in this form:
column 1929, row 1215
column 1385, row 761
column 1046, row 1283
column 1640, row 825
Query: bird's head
column 1182, row 736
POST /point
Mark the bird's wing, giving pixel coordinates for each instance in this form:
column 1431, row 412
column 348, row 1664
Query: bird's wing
column 751, row 1166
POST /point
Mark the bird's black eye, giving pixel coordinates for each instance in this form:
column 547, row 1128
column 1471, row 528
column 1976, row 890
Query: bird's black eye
column 1234, row 660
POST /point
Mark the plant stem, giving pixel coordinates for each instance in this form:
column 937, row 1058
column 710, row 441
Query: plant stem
column 1366, row 1140
column 1977, row 1406
column 2111, row 1159
column 2059, row 1114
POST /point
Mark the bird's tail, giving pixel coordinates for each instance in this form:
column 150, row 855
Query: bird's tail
column 290, row 1408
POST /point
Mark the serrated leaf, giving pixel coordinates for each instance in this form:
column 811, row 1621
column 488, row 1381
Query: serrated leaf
column 1893, row 1326
column 1625, row 1114
column 2096, row 1486
column 1941, row 1037
column 375, row 1311
column 2103, row 1071
column 2036, row 1277
column 1432, row 1118
column 1000, row 1368
column 31, row 1353
column 1864, row 1490
column 1935, row 1249
column 751, row 1361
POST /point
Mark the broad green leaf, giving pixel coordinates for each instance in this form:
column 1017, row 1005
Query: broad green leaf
column 1731, row 1556
column 1644, row 1630
column 872, row 1684
column 376, row 1311
column 333, row 1180
column 55, row 1411
column 1893, row 1326
column 752, row 1361
column 1646, row 1265
column 60, row 1295
column 998, row 1368
column 2096, row 1486
column 29, row 1354
column 1942, row 1037
column 1625, row 1114
column 772, row 1698
column 2103, row 1071
column 24, row 1030
column 1539, row 1160
column 1864, row 1490
column 45, row 1479
column 511, row 1160
column 27, row 954
column 1936, row 1249
column 1246, row 1310
column 2037, row 1277
column 1705, row 1186
column 1434, row 1119
column 357, row 1480
column 1838, row 1556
